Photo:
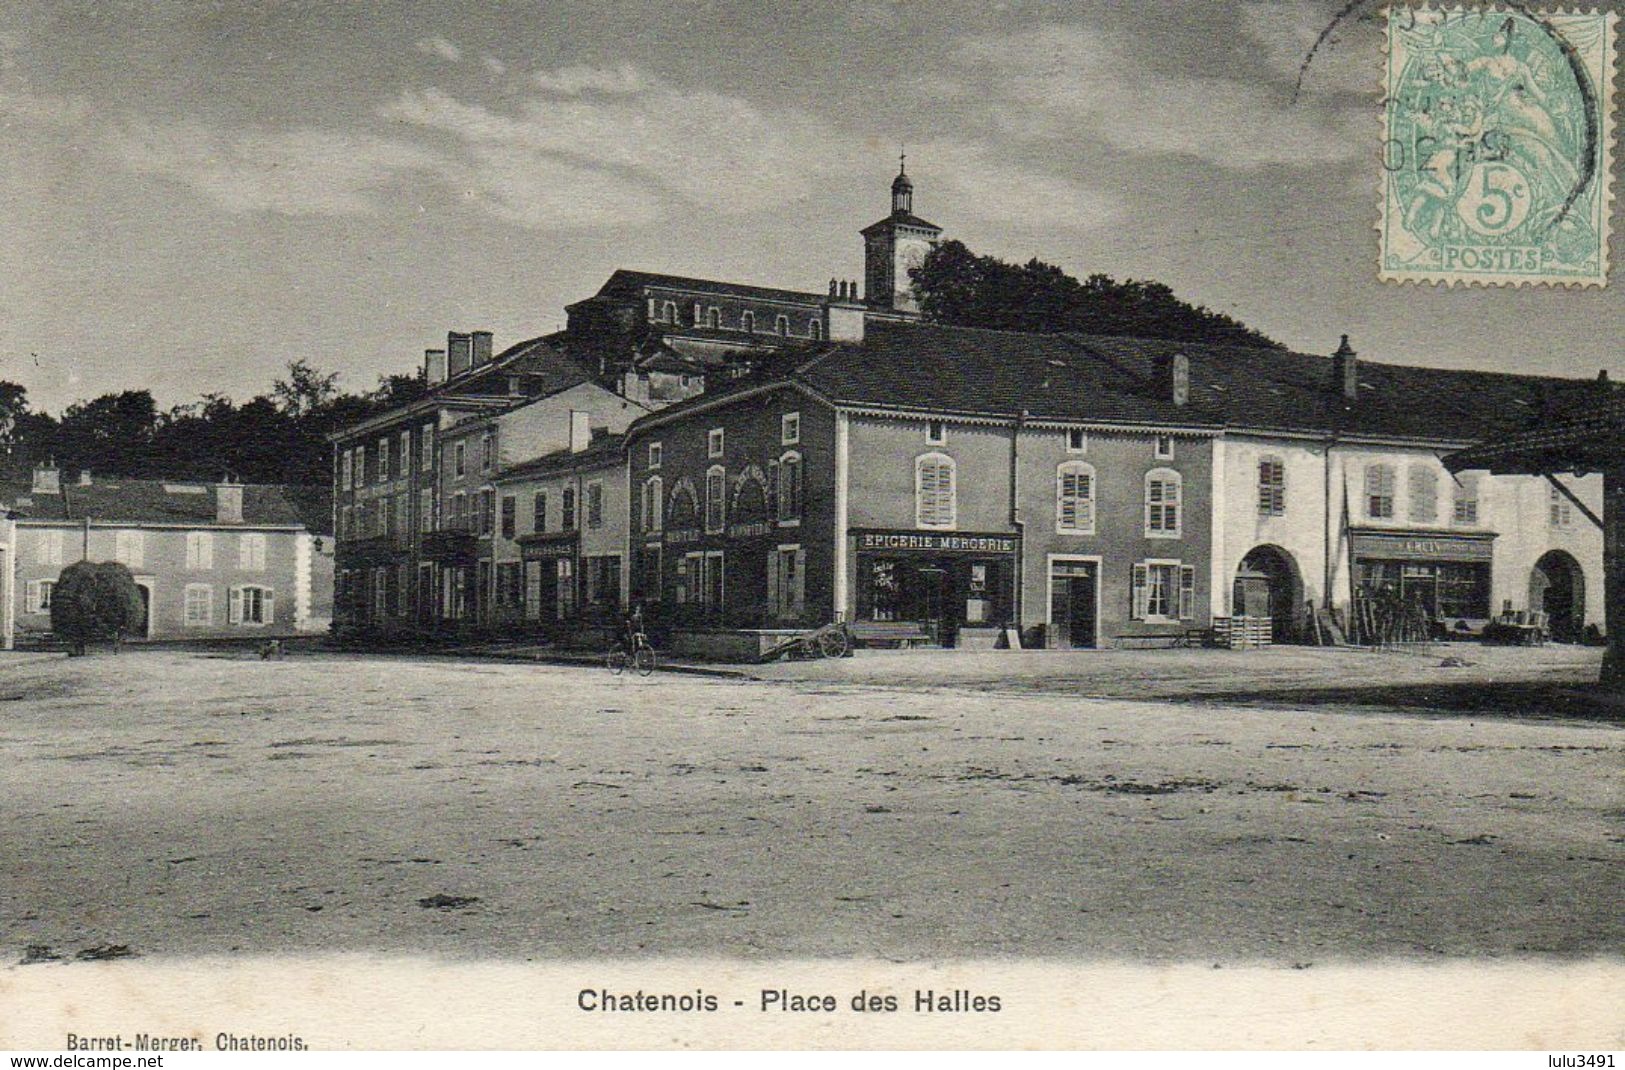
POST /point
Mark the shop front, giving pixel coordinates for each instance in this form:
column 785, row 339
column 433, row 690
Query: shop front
column 548, row 576
column 1442, row 578
column 952, row 584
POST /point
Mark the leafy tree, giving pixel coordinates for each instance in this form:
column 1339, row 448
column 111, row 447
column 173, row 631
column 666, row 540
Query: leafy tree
column 112, row 433
column 96, row 600
column 959, row 287
column 305, row 390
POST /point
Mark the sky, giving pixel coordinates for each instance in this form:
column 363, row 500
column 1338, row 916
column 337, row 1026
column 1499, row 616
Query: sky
column 192, row 195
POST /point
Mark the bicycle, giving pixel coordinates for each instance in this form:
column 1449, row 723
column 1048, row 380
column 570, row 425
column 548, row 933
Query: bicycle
column 642, row 658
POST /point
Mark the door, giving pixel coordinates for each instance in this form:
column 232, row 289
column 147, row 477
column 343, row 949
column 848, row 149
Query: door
column 1073, row 603
column 145, row 630
column 933, row 582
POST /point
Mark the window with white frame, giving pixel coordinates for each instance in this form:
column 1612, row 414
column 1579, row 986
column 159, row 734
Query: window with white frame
column 787, row 582
column 426, row 448
column 1561, row 510
column 459, row 459
column 1271, row 486
column 251, row 551
column 48, row 550
column 344, row 469
column 198, row 605
column 935, row 504
column 383, row 460
column 253, row 605
column 199, row 550
column 1379, row 491
column 359, row 459
column 668, row 312
column 567, row 509
column 936, row 433
column 655, row 455
column 595, row 504
column 488, row 451
column 1164, row 591
column 1464, row 499
column 1076, row 440
column 790, row 429
column 37, row 596
column 405, row 454
column 425, row 511
column 1165, row 447
column 781, row 325
column 714, row 443
column 747, row 322
column 815, row 329
column 130, row 547
column 653, row 498
column 713, row 318
column 1164, row 489
column 787, row 487
column 716, row 484
column 538, row 512
column 1075, row 498
column 1424, row 488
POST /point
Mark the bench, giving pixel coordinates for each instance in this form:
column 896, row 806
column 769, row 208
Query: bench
column 903, row 633
column 1155, row 642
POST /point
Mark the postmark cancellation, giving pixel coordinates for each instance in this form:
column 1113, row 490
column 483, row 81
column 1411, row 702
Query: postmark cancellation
column 1497, row 150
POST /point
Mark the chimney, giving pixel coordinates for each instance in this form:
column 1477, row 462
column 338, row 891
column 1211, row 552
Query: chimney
column 47, row 478
column 459, row 353
column 1346, row 371
column 482, row 347
column 228, row 498
column 84, row 477
column 580, row 430
column 434, row 366
column 1174, row 377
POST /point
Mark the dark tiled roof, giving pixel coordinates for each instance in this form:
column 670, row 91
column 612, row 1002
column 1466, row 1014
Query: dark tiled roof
column 625, row 283
column 1591, row 438
column 906, row 219
column 148, row 501
column 604, row 449
column 547, row 368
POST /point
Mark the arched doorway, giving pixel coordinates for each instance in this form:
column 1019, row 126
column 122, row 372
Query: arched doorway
column 1268, row 584
column 1557, row 587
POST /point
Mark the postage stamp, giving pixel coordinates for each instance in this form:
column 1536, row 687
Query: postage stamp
column 1497, row 146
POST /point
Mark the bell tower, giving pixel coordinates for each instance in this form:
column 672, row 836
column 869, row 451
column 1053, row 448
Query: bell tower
column 894, row 245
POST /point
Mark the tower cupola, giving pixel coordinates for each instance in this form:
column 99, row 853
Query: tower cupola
column 894, row 247
column 902, row 190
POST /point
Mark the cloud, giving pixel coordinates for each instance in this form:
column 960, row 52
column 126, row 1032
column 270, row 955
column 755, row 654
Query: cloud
column 494, row 65
column 572, row 81
column 439, row 46
column 1288, row 36
column 1064, row 82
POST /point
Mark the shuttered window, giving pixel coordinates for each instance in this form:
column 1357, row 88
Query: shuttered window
column 1164, row 591
column 934, row 491
column 251, row 552
column 1379, row 491
column 199, row 550
column 787, row 487
column 1464, row 499
column 1424, row 488
column 716, row 481
column 1163, row 490
column 130, row 547
column 252, row 605
column 1075, row 498
column 199, row 605
column 653, row 495
column 1271, row 487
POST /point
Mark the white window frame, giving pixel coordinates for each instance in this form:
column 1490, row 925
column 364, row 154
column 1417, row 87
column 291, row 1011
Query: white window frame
column 1167, row 477
column 781, row 325
column 426, row 447
column 383, row 460
column 1077, row 440
column 346, row 459
column 747, row 322
column 936, row 432
column 654, row 491
column 37, row 596
column 205, row 619
column 130, row 547
column 1181, row 594
column 251, row 551
column 1464, row 499
column 713, row 318
column 952, row 496
column 656, row 455
column 788, row 460
column 199, row 551
column 715, row 521
column 716, row 441
column 1560, row 511
column 1083, row 521
column 406, row 454
column 668, row 311
column 594, row 495
column 237, row 610
column 1164, row 447
column 790, row 429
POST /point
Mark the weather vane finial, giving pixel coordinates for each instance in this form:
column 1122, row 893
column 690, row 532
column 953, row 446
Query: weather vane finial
column 902, row 159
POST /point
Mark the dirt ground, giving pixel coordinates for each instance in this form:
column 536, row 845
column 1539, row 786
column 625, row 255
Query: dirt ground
column 1287, row 806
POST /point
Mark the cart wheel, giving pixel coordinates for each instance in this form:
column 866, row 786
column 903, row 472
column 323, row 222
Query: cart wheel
column 834, row 643
column 615, row 660
column 644, row 660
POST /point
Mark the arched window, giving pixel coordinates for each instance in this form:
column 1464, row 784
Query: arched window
column 1075, row 498
column 1379, row 491
column 1424, row 488
column 684, row 511
column 653, row 496
column 781, row 325
column 815, row 329
column 750, row 498
column 716, row 490
column 934, row 491
column 747, row 322
column 1271, row 486
column 789, row 486
column 668, row 312
column 713, row 318
column 1163, row 490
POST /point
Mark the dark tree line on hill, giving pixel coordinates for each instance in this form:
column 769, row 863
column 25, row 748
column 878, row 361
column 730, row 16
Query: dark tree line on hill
column 277, row 437
column 958, row 287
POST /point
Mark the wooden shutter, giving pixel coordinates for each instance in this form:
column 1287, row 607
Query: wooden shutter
column 31, row 599
column 1187, row 592
column 234, row 606
column 267, row 606
column 798, row 583
column 1141, row 592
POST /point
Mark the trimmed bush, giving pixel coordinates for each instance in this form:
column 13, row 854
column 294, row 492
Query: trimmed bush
column 96, row 600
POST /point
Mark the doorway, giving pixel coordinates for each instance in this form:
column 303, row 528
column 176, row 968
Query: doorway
column 1557, row 588
column 144, row 585
column 1074, row 605
column 1267, row 585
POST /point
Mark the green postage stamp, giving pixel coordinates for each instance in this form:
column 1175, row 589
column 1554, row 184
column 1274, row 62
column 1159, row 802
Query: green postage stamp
column 1497, row 151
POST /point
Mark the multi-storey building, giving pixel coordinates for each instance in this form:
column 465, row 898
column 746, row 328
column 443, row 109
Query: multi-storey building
column 211, row 561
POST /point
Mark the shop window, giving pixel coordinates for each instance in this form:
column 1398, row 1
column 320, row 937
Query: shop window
column 1561, row 510
column 256, row 605
column 1075, row 498
column 251, row 552
column 595, row 505
column 1379, row 491
column 934, row 491
column 1464, row 499
column 653, row 495
column 1164, row 591
column 788, row 487
column 1424, row 494
column 198, row 605
column 199, row 550
column 1163, row 490
column 1271, row 487
column 603, row 580
column 716, row 482
column 510, row 515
